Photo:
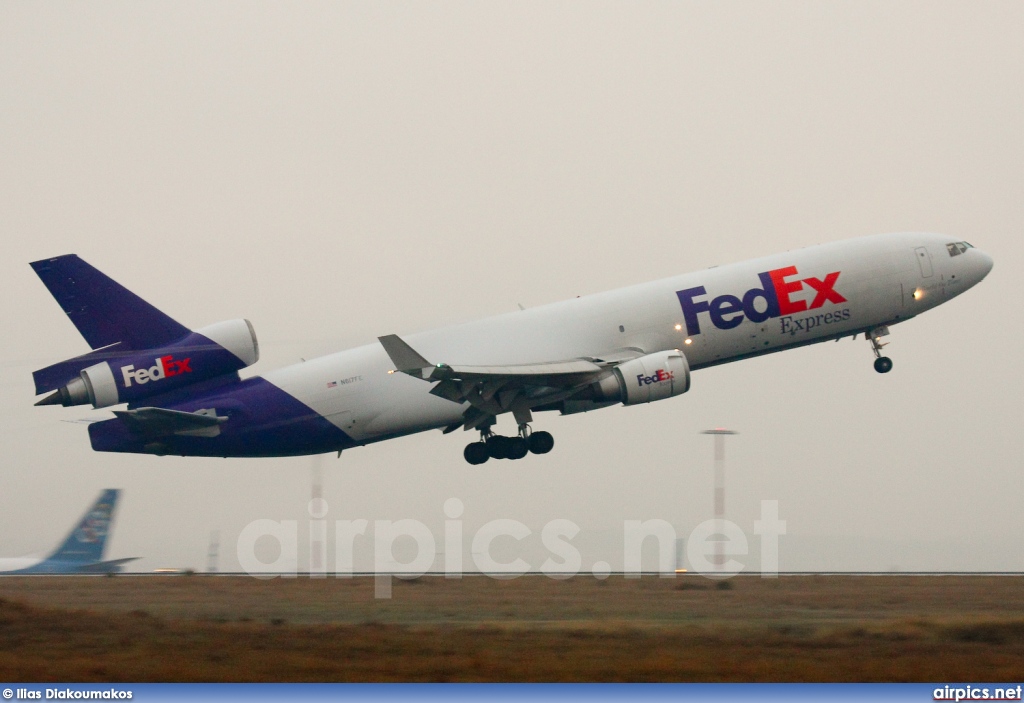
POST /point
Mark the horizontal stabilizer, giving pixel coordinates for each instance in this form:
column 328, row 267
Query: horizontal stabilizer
column 160, row 422
column 104, row 311
column 106, row 567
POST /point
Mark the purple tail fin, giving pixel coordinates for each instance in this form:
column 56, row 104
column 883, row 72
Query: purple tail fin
column 104, row 311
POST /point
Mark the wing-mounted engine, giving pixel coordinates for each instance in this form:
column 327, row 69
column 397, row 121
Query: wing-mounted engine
column 644, row 379
column 110, row 376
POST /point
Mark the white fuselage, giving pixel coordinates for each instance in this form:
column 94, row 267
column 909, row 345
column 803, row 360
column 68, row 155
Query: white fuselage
column 8, row 564
column 882, row 280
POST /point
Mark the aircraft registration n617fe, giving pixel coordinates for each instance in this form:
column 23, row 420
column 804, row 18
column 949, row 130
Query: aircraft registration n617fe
column 634, row 345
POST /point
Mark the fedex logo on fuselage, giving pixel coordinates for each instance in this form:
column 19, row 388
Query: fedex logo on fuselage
column 166, row 366
column 656, row 377
column 728, row 311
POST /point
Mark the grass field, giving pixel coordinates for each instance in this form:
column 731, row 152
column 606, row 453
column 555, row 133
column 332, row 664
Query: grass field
column 794, row 628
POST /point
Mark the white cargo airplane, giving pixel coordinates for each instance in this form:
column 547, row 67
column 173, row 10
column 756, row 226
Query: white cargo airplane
column 632, row 345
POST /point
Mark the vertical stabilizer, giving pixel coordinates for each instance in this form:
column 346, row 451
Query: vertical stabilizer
column 104, row 311
column 89, row 537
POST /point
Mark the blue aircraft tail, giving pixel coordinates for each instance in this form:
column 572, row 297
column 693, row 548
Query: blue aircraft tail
column 89, row 537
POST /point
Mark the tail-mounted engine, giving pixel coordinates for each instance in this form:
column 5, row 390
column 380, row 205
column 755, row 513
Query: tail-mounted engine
column 646, row 379
column 131, row 375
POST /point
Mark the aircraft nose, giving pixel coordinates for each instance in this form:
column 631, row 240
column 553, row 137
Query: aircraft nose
column 983, row 265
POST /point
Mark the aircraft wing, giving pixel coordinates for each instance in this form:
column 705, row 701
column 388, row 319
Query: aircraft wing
column 492, row 390
column 159, row 422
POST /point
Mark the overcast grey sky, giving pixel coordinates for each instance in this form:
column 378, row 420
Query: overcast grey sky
column 339, row 171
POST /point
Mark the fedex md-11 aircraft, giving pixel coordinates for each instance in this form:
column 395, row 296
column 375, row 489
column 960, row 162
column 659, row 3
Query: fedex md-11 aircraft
column 182, row 395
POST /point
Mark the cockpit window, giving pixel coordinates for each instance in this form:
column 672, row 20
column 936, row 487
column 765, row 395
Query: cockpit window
column 958, row 248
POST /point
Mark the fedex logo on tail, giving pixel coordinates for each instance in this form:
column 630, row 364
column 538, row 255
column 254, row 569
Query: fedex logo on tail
column 165, row 367
column 728, row 311
column 656, row 377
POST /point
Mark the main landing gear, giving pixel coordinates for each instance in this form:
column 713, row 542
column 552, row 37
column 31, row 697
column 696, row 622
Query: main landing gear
column 883, row 364
column 494, row 446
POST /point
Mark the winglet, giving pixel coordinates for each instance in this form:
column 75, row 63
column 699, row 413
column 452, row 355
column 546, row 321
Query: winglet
column 405, row 357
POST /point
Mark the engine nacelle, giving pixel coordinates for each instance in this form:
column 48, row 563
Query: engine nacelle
column 218, row 349
column 653, row 377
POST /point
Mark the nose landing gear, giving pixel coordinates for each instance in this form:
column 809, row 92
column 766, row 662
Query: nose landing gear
column 493, row 446
column 883, row 364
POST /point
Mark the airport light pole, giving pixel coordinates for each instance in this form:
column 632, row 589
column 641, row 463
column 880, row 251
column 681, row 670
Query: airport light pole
column 213, row 553
column 720, row 434
column 317, row 527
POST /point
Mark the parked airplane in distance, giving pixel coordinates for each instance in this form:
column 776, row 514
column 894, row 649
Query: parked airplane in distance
column 633, row 345
column 82, row 550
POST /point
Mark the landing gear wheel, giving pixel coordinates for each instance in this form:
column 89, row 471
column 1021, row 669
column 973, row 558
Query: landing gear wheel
column 540, row 442
column 883, row 364
column 476, row 453
column 497, row 446
column 517, row 448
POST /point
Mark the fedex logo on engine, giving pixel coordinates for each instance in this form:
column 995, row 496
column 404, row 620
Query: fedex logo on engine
column 728, row 311
column 656, row 377
column 166, row 366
